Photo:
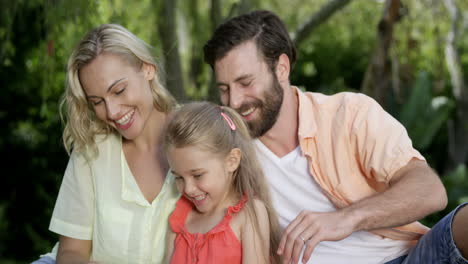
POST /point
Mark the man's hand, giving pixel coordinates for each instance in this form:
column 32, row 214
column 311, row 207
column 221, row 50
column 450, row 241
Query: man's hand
column 308, row 229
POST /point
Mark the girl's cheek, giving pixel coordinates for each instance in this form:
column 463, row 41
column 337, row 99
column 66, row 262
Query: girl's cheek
column 180, row 187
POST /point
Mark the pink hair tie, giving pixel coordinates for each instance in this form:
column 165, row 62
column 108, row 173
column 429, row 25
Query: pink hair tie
column 229, row 121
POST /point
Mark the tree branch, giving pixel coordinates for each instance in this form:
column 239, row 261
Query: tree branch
column 318, row 18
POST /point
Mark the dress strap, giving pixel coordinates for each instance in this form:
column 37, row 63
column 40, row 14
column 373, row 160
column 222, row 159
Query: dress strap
column 179, row 215
column 236, row 208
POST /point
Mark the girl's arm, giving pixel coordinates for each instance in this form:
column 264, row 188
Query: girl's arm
column 256, row 243
column 73, row 250
column 170, row 238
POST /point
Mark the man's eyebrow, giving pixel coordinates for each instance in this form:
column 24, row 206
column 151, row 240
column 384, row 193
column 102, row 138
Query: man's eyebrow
column 240, row 78
column 243, row 77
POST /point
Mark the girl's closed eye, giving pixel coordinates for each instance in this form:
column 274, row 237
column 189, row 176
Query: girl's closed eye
column 198, row 175
column 178, row 178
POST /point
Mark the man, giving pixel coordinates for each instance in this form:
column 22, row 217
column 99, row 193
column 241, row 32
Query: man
column 346, row 182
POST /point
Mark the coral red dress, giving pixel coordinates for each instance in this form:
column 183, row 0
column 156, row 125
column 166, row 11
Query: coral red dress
column 219, row 245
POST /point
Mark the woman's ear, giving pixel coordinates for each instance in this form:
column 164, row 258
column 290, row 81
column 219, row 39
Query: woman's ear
column 233, row 159
column 149, row 71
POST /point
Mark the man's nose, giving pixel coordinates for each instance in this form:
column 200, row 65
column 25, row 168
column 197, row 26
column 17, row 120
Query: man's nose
column 235, row 98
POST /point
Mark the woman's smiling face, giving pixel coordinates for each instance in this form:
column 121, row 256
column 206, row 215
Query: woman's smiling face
column 119, row 93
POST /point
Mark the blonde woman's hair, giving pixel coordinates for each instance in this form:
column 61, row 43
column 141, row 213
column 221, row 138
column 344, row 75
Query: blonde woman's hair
column 201, row 124
column 81, row 124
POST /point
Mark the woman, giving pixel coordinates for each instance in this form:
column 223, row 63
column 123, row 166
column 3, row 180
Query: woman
column 116, row 194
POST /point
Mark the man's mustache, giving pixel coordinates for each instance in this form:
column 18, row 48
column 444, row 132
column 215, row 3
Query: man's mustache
column 246, row 106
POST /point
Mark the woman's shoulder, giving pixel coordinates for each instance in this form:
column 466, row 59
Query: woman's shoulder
column 104, row 141
column 105, row 146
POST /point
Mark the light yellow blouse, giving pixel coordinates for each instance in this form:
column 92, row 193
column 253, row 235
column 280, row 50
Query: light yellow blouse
column 101, row 201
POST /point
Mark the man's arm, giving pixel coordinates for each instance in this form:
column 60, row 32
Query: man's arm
column 415, row 191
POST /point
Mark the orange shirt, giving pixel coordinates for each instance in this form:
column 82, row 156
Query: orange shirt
column 219, row 245
column 353, row 148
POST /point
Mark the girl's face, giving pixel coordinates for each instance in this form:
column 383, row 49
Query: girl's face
column 119, row 93
column 203, row 177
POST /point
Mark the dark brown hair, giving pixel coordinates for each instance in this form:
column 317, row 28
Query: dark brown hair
column 263, row 27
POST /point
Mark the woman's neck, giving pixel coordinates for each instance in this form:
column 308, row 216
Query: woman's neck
column 150, row 139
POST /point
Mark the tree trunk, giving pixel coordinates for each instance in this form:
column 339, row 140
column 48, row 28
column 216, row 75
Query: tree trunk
column 168, row 36
column 458, row 128
column 318, row 18
column 196, row 56
column 378, row 77
column 215, row 14
column 216, row 18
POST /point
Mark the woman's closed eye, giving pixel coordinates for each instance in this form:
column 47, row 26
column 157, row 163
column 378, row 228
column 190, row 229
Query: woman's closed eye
column 120, row 90
column 96, row 102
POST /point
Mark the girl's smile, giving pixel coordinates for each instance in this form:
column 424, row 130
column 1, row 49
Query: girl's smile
column 203, row 177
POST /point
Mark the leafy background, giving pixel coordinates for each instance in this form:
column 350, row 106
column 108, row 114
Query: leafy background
column 36, row 37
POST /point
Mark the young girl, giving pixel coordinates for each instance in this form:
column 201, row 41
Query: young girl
column 224, row 214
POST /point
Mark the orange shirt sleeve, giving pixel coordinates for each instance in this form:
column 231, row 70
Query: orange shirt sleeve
column 382, row 143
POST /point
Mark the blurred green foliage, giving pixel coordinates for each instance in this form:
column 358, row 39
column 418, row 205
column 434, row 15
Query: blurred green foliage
column 423, row 114
column 36, row 37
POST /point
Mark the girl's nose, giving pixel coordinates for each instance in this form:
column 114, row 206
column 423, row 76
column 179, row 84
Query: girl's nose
column 190, row 189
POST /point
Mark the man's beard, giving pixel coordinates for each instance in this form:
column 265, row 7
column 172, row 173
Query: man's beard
column 268, row 109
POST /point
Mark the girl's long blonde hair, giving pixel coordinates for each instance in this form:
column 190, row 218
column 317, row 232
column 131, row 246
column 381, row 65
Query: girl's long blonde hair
column 81, row 123
column 201, row 124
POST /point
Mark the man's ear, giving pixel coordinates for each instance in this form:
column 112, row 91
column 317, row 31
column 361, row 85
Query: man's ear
column 149, row 71
column 283, row 68
column 233, row 159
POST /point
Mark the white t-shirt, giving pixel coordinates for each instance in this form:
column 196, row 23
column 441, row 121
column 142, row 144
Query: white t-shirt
column 101, row 201
column 293, row 190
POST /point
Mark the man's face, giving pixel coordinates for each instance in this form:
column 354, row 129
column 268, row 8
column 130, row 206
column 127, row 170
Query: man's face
column 247, row 85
